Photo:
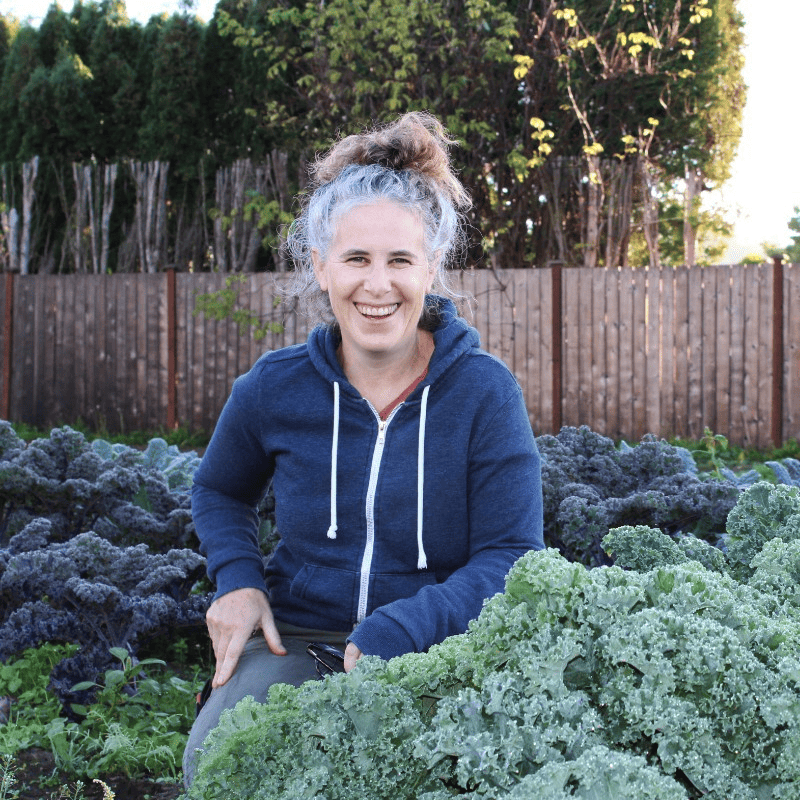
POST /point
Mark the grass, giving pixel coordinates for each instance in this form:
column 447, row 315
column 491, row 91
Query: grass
column 181, row 437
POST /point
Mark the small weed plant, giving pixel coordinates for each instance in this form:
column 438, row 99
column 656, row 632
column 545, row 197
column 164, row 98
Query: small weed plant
column 135, row 725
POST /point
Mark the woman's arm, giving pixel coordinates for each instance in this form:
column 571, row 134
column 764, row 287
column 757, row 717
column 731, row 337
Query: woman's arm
column 228, row 486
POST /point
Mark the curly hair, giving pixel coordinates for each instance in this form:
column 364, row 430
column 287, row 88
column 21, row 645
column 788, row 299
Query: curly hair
column 407, row 162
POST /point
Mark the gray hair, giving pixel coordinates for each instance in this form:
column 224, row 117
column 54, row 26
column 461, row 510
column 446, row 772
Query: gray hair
column 364, row 184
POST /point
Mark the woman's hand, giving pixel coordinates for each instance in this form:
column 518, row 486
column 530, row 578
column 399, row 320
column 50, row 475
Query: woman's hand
column 231, row 620
column 351, row 655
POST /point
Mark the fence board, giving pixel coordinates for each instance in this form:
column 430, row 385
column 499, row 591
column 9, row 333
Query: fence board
column 791, row 343
column 24, row 384
column 667, row 346
column 82, row 354
column 667, row 351
column 6, row 311
column 626, row 354
column 519, row 354
column 724, row 323
column 571, row 348
column 708, row 346
column 583, row 337
column 126, row 343
column 653, row 410
column 639, row 353
column 613, row 421
column 106, row 387
column 752, row 325
column 96, row 346
column 694, row 356
column 738, row 324
column 681, row 348
column 763, row 387
column 535, row 370
column 598, row 280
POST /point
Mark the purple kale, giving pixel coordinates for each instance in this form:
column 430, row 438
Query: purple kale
column 590, row 485
column 97, row 548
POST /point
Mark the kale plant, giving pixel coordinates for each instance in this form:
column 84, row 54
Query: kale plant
column 590, row 486
column 786, row 471
column 672, row 683
column 95, row 549
column 763, row 513
column 122, row 494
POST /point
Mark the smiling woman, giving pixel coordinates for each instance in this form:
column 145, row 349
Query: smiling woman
column 377, row 275
column 402, row 461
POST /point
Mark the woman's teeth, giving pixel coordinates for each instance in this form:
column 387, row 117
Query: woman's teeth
column 377, row 311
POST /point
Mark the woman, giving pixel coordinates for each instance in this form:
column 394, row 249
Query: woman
column 404, row 468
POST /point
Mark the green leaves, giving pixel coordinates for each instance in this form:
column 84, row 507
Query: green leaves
column 763, row 512
column 674, row 682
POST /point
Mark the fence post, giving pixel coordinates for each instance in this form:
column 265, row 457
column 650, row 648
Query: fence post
column 558, row 336
column 777, row 352
column 8, row 328
column 172, row 387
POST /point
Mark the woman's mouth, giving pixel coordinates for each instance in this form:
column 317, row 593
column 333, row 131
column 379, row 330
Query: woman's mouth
column 376, row 312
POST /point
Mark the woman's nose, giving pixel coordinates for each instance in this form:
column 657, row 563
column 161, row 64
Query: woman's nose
column 377, row 280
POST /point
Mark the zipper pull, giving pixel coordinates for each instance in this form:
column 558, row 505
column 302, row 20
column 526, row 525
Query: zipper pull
column 381, row 430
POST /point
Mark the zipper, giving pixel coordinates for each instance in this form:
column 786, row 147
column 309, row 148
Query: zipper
column 369, row 547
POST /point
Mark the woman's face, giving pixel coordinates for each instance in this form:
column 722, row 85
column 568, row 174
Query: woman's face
column 376, row 275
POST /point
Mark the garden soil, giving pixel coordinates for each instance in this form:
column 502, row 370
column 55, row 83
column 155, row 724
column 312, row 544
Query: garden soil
column 36, row 781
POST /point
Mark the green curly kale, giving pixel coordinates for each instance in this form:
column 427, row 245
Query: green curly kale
column 762, row 513
column 676, row 682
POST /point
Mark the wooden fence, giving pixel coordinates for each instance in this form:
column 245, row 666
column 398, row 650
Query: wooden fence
column 626, row 352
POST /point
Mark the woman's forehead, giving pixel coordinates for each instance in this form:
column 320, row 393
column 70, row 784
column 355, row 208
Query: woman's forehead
column 385, row 223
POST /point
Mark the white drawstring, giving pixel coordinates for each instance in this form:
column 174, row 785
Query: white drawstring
column 334, row 458
column 422, row 561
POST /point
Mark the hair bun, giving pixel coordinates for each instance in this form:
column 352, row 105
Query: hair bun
column 417, row 141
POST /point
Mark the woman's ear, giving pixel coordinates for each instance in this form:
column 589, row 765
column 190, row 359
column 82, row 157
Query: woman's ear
column 319, row 270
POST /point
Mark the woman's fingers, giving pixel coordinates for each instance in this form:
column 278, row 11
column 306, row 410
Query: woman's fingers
column 271, row 635
column 351, row 656
column 231, row 621
column 228, row 658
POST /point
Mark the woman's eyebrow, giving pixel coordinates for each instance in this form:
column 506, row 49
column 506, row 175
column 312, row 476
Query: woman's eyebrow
column 357, row 251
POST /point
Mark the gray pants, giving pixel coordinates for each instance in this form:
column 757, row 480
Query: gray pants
column 257, row 670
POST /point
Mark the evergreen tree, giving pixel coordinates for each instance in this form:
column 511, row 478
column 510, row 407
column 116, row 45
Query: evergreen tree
column 118, row 99
column 172, row 128
column 8, row 30
column 21, row 63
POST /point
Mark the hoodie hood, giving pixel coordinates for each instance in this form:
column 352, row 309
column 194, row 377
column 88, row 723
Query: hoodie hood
column 452, row 338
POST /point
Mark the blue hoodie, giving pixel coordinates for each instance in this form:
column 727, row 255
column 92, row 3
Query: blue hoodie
column 398, row 530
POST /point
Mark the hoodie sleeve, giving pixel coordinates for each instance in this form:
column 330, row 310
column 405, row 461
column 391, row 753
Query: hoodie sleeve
column 505, row 513
column 228, row 485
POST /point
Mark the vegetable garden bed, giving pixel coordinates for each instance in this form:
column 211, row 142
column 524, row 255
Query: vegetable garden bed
column 582, row 679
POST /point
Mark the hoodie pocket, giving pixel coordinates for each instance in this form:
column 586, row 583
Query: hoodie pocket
column 325, row 585
column 386, row 587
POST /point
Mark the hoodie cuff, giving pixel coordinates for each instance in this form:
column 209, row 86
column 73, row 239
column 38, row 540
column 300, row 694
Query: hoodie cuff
column 244, row 574
column 379, row 635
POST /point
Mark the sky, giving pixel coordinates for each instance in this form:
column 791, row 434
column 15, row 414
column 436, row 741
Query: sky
column 765, row 183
